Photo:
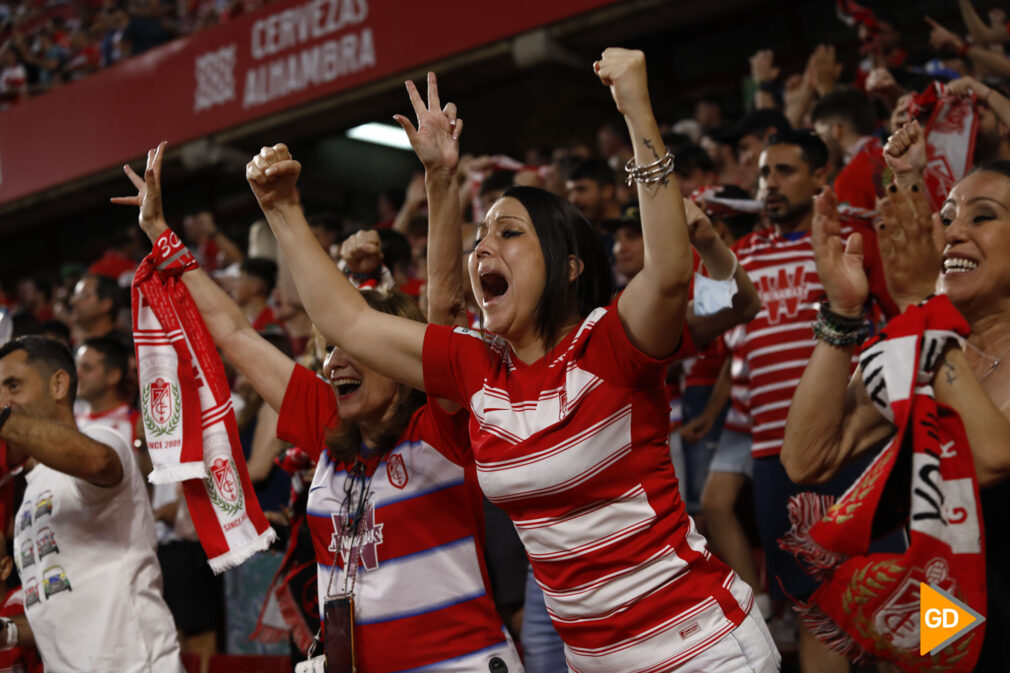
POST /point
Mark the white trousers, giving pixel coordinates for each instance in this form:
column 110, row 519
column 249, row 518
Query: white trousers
column 746, row 649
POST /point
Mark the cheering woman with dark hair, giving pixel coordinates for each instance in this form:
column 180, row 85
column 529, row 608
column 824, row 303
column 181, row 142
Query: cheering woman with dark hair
column 396, row 527
column 568, row 412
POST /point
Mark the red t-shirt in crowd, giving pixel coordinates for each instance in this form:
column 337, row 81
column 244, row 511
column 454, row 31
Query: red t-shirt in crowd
column 574, row 447
column 265, row 319
column 779, row 341
column 421, row 594
column 861, row 182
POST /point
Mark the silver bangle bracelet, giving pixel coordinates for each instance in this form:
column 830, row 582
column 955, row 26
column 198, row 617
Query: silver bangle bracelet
column 657, row 171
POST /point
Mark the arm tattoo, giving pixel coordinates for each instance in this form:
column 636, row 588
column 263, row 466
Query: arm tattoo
column 949, row 372
column 649, row 144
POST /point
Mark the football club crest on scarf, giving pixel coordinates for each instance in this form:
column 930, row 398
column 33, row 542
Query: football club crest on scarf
column 161, row 401
column 867, row 605
column 224, row 480
column 162, row 407
column 190, row 424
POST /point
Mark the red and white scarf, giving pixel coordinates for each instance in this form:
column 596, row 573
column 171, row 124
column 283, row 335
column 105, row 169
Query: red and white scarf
column 867, row 605
column 192, row 434
column 950, row 129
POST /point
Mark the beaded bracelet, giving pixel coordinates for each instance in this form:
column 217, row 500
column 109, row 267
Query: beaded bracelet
column 658, row 171
column 839, row 330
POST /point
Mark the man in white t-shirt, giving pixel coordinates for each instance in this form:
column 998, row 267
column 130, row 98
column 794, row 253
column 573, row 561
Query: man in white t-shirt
column 84, row 540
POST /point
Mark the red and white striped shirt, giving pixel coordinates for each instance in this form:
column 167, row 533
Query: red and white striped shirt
column 779, row 341
column 421, row 594
column 574, row 447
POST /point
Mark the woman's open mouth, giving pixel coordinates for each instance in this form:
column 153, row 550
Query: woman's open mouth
column 346, row 386
column 493, row 285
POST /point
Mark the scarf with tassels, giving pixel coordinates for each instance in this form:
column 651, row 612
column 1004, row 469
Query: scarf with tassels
column 867, row 605
column 192, row 434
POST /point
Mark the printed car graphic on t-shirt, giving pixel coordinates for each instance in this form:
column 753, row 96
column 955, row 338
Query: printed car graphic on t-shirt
column 27, row 554
column 46, row 542
column 25, row 519
column 32, row 592
column 54, row 580
column 44, row 505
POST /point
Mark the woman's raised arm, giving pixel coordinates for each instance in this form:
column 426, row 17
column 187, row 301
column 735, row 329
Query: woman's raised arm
column 721, row 264
column 653, row 307
column 436, row 143
column 267, row 369
column 388, row 344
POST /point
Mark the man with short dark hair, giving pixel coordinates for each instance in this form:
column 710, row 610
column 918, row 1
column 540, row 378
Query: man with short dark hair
column 102, row 382
column 252, row 288
column 84, row 534
column 778, row 342
column 750, row 137
column 592, row 189
column 94, row 306
column 845, row 121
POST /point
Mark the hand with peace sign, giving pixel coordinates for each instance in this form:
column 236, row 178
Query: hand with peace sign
column 436, row 138
column 148, row 198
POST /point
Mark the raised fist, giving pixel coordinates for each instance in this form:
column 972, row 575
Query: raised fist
column 272, row 175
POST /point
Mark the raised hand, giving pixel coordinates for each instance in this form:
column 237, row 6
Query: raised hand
column 272, row 174
column 840, row 266
column 699, row 226
column 436, row 138
column 362, row 251
column 965, row 86
column 905, row 152
column 907, row 236
column 148, row 198
column 762, row 66
column 941, row 38
column 824, row 69
column 880, row 80
column 623, row 70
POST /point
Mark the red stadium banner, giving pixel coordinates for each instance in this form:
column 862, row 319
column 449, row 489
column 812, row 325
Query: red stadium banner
column 284, row 55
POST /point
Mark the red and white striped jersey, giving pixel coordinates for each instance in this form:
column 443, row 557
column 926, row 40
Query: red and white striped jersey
column 421, row 594
column 779, row 341
column 574, row 447
column 122, row 419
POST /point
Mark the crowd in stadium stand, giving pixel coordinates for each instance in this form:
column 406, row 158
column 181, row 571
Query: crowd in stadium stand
column 45, row 44
column 824, row 218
